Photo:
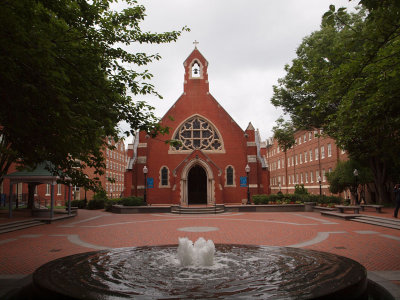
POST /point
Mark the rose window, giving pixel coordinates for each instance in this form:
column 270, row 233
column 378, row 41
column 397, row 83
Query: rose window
column 197, row 133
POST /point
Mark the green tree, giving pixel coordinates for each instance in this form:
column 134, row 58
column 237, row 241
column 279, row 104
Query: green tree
column 284, row 134
column 67, row 80
column 346, row 80
column 342, row 177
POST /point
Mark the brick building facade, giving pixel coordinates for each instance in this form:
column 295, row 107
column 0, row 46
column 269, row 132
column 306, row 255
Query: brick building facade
column 313, row 156
column 209, row 165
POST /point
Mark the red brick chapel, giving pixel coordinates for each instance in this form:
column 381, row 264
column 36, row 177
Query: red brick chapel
column 209, row 165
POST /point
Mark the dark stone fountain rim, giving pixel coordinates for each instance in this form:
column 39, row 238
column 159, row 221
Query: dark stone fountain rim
column 351, row 289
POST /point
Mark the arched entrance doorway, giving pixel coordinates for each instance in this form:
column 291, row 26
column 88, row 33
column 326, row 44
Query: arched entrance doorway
column 197, row 185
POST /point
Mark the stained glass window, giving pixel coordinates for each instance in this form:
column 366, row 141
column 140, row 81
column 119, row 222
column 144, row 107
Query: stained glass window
column 229, row 176
column 198, row 133
column 164, row 176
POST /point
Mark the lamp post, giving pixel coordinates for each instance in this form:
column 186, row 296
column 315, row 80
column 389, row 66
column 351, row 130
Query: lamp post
column 320, row 185
column 145, row 170
column 355, row 173
column 85, row 193
column 247, row 169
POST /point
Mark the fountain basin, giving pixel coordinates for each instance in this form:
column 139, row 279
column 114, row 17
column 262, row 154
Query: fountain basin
column 239, row 271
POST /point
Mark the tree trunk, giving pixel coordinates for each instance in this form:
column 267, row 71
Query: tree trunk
column 380, row 178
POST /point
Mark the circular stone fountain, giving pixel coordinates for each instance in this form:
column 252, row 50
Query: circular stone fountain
column 237, row 271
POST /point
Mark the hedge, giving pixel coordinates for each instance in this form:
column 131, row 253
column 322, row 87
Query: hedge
column 294, row 198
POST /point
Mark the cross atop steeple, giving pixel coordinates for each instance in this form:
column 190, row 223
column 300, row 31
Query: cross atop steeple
column 195, row 43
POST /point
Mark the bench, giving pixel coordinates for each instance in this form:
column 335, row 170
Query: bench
column 377, row 207
column 342, row 208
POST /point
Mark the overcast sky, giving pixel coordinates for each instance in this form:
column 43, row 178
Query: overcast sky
column 247, row 44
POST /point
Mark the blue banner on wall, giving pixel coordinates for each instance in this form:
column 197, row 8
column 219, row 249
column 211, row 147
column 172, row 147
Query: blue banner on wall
column 150, row 183
column 243, row 181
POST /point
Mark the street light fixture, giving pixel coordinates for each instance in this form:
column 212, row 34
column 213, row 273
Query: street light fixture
column 247, row 169
column 320, row 185
column 145, row 170
column 355, row 173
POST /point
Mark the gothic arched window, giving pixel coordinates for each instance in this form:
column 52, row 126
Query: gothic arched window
column 164, row 176
column 198, row 133
column 229, row 176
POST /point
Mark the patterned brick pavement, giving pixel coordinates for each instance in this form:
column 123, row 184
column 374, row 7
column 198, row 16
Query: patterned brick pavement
column 377, row 248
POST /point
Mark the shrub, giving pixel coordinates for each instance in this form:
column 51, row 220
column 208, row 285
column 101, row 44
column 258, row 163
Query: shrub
column 260, row 199
column 299, row 189
column 100, row 195
column 132, row 201
column 110, row 202
column 96, row 203
column 77, row 203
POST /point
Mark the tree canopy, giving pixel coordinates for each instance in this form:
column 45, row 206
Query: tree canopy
column 345, row 80
column 67, row 81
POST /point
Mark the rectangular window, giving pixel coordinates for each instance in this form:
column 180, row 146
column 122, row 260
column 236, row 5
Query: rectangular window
column 311, row 177
column 283, row 178
column 317, row 175
column 301, row 177
column 288, row 162
column 277, row 149
column 296, row 159
column 301, row 158
column 330, row 170
column 47, row 190
column 283, row 163
column 323, row 175
column 299, row 140
column 292, row 161
column 306, row 175
column 316, row 153
column 310, row 136
column 322, row 152
column 304, row 138
column 58, row 189
column 279, row 163
column 297, row 178
column 293, row 179
column 329, row 150
column 305, row 156
column 36, row 190
column 289, row 179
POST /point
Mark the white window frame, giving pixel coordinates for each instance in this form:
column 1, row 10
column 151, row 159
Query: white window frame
column 322, row 152
column 59, row 189
column 329, row 150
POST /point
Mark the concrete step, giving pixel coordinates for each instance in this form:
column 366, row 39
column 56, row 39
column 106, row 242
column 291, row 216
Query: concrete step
column 22, row 225
column 17, row 223
column 377, row 223
column 198, row 210
column 382, row 219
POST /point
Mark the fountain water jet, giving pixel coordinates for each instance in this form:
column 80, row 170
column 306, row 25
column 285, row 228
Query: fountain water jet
column 199, row 254
column 236, row 271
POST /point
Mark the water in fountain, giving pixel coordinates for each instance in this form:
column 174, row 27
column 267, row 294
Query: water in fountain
column 193, row 272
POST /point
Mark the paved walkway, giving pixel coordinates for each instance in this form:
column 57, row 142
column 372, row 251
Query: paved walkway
column 377, row 248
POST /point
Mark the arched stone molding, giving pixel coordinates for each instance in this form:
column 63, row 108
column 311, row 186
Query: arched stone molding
column 226, row 176
column 184, row 181
column 201, row 71
column 172, row 150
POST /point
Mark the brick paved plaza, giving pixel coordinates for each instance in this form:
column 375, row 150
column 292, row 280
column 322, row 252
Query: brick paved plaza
column 377, row 248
